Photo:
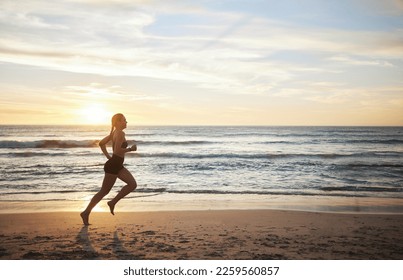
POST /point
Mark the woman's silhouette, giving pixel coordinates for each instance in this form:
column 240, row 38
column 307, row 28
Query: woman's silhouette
column 113, row 167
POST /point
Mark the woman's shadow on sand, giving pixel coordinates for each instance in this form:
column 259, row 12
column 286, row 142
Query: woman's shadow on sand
column 118, row 249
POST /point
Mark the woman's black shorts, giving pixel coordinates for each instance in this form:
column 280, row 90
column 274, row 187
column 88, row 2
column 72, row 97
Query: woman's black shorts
column 114, row 165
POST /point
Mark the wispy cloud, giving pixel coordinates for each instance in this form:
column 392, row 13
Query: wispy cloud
column 203, row 46
column 115, row 41
column 360, row 62
column 105, row 93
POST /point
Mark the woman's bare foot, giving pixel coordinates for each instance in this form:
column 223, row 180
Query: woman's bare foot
column 111, row 207
column 85, row 217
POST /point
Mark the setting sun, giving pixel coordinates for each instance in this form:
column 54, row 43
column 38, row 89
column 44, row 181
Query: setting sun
column 95, row 114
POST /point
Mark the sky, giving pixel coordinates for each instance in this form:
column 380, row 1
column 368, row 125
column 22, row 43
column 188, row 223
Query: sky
column 202, row 62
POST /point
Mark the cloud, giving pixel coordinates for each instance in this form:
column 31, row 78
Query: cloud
column 343, row 96
column 360, row 62
column 218, row 51
column 105, row 93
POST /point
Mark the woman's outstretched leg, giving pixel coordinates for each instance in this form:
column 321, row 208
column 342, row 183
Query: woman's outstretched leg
column 128, row 178
column 107, row 184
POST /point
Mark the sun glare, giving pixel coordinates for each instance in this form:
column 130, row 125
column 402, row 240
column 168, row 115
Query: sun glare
column 95, row 114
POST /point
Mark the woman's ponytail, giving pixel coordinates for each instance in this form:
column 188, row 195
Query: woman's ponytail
column 111, row 133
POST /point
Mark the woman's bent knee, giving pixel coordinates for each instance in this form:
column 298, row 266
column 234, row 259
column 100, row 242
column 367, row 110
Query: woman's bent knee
column 132, row 185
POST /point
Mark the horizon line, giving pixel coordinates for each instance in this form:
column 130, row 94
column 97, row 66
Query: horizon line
column 210, row 125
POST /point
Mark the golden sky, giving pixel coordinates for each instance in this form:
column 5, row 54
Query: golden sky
column 202, row 62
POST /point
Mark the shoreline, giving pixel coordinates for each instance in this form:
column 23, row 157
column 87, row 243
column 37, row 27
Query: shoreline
column 199, row 235
column 201, row 202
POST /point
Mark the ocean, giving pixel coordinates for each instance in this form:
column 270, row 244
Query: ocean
column 208, row 167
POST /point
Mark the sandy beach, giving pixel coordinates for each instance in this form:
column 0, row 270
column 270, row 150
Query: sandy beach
column 202, row 235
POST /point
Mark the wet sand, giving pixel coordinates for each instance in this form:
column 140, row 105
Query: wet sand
column 202, row 235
